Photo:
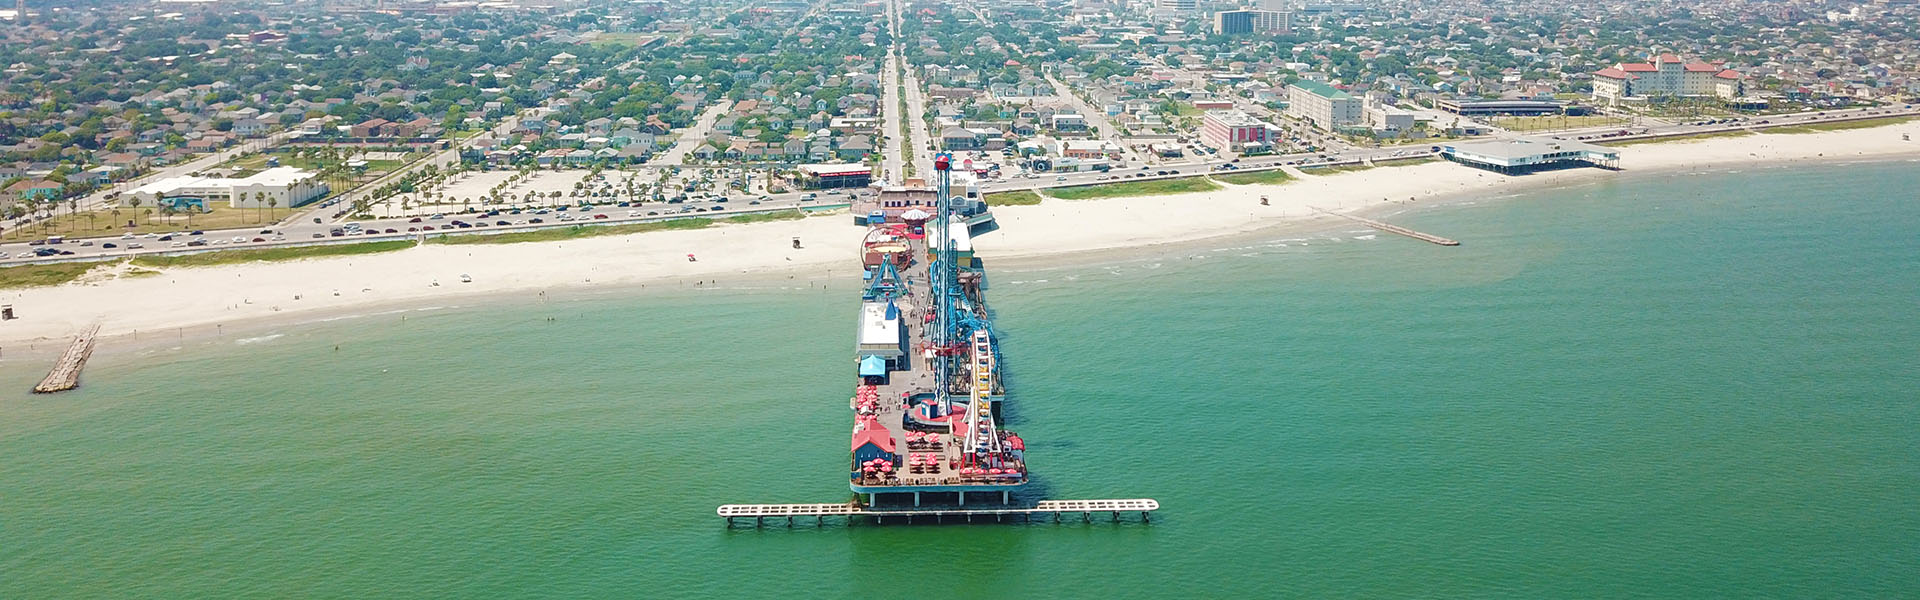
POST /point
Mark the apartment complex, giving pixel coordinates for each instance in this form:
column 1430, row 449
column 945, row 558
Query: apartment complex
column 1667, row 75
column 1252, row 22
column 1322, row 104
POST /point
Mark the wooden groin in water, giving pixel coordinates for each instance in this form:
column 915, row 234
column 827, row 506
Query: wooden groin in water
column 66, row 373
column 1391, row 228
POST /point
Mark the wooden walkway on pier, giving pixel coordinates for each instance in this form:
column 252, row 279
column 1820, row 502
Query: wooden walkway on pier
column 1391, row 228
column 66, row 373
column 760, row 512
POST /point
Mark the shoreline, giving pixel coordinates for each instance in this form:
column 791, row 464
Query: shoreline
column 229, row 299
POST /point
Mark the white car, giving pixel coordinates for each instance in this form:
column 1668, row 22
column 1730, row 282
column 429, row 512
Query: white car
column 179, row 244
column 240, row 240
column 127, row 236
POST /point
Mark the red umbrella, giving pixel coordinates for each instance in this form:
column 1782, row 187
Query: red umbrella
column 886, row 469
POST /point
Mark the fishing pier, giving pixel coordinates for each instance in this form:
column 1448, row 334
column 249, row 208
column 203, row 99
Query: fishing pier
column 66, row 373
column 928, row 435
column 1391, row 228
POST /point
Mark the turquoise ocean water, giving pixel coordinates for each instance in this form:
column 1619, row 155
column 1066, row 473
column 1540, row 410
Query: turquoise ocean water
column 1667, row 386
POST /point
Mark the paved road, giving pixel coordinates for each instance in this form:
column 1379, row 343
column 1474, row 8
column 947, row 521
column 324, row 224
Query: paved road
column 693, row 136
column 921, row 140
column 1097, row 119
column 893, row 147
column 308, row 231
column 303, row 231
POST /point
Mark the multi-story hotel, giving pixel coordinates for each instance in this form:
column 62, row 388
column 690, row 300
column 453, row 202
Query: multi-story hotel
column 1259, row 22
column 1231, row 130
column 1667, row 75
column 1322, row 104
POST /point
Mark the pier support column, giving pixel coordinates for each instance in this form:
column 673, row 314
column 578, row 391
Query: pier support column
column 1144, row 518
column 1003, row 497
column 963, row 498
column 916, row 498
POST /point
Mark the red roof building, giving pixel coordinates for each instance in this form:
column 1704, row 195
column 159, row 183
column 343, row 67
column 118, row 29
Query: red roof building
column 1667, row 75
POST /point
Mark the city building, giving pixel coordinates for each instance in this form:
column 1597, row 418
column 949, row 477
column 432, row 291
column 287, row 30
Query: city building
column 1174, row 7
column 1388, row 119
column 282, row 187
column 1528, row 154
column 1086, row 148
column 1470, row 107
column 1322, row 104
column 1667, row 75
column 1231, row 129
column 835, row 176
column 1252, row 22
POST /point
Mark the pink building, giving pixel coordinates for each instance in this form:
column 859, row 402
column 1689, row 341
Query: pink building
column 1228, row 129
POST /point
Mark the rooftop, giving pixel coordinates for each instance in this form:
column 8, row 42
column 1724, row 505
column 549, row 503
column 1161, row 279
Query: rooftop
column 1321, row 89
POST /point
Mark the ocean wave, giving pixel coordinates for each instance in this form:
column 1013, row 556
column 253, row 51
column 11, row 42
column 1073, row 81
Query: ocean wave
column 256, row 340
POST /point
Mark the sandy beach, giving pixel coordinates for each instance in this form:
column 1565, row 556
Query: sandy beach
column 202, row 297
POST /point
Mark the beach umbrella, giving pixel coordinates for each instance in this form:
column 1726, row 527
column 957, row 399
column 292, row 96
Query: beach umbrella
column 886, row 469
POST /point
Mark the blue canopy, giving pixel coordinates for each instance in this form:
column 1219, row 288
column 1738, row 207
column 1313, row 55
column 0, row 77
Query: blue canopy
column 873, row 366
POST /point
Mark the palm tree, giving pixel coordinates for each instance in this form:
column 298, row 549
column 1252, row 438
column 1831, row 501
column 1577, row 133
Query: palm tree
column 271, row 203
column 166, row 213
column 149, row 215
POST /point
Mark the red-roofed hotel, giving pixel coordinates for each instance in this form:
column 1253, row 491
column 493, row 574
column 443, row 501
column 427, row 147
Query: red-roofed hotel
column 1666, row 75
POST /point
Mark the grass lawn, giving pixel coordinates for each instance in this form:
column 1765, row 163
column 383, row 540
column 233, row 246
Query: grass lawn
column 26, row 276
column 1182, row 185
column 105, row 223
column 1840, row 125
column 1267, row 177
column 1665, row 140
column 574, row 232
column 1014, row 198
column 1405, row 162
column 767, row 217
column 231, row 257
column 1336, row 169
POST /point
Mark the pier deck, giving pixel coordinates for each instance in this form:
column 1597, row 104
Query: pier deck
column 1391, row 228
column 66, row 373
column 1087, row 508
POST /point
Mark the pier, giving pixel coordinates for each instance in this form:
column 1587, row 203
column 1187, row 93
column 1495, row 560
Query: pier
column 1113, row 509
column 66, row 373
column 927, row 389
column 1391, row 228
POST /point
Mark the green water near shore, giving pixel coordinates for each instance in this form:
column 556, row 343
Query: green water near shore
column 1687, row 386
